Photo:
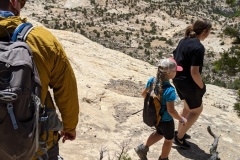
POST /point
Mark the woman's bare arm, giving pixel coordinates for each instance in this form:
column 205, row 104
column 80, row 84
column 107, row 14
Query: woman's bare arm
column 197, row 76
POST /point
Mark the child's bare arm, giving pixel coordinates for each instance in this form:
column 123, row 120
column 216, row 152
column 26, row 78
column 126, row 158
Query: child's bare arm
column 172, row 111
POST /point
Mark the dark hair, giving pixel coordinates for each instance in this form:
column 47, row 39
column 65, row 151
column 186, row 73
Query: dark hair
column 4, row 4
column 197, row 28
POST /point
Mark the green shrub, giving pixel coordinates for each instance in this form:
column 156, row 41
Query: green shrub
column 218, row 82
column 228, row 63
column 210, row 54
column 232, row 32
column 147, row 52
column 162, row 39
column 235, row 84
column 169, row 42
column 237, row 108
column 230, row 1
column 160, row 54
column 147, row 45
column 125, row 157
column 140, row 47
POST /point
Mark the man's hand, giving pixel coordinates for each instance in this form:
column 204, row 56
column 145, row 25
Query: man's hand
column 68, row 136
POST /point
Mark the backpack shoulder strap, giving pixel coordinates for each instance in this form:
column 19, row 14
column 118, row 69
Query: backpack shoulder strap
column 21, row 32
column 152, row 83
column 166, row 86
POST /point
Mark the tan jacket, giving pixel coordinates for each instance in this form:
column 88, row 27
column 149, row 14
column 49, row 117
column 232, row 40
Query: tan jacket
column 54, row 70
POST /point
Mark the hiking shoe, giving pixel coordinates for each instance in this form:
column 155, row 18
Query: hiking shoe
column 181, row 143
column 141, row 151
column 186, row 136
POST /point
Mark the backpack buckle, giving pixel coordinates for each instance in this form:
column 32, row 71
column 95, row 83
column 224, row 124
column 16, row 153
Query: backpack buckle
column 43, row 118
column 8, row 96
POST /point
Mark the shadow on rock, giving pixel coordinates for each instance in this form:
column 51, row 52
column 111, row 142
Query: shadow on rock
column 195, row 153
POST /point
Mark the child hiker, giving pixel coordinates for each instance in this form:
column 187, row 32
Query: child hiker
column 167, row 69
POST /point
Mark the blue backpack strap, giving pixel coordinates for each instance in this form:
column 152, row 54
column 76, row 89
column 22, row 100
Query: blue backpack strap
column 152, row 83
column 21, row 32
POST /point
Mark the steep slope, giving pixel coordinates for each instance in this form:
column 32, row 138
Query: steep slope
column 109, row 84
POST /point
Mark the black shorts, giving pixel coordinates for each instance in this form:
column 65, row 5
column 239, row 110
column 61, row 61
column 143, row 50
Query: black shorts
column 190, row 92
column 166, row 129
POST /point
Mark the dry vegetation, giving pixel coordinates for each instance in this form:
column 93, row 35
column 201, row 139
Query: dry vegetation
column 135, row 27
column 143, row 29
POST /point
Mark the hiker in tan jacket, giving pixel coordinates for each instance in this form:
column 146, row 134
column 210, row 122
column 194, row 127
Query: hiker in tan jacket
column 55, row 73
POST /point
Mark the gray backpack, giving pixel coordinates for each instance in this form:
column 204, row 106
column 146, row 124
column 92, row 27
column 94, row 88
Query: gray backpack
column 20, row 105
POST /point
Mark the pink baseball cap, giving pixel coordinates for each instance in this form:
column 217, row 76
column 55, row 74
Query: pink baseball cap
column 169, row 64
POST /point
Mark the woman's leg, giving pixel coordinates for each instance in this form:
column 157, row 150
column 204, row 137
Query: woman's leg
column 184, row 112
column 192, row 117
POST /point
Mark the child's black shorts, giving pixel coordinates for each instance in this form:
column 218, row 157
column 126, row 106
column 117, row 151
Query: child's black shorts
column 166, row 129
column 190, row 92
